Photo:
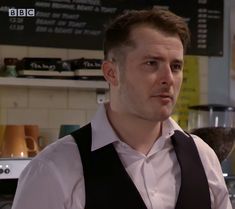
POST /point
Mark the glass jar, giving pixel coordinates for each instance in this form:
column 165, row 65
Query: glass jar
column 215, row 124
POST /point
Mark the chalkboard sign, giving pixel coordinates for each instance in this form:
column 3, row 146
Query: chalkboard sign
column 79, row 24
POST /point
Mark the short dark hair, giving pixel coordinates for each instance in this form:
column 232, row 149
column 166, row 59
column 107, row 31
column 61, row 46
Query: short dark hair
column 118, row 31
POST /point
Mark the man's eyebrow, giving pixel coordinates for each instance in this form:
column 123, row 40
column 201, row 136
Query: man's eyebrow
column 153, row 57
column 180, row 61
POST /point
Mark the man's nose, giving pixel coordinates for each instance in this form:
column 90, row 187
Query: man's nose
column 166, row 76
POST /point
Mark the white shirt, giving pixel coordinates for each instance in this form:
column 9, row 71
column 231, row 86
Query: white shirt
column 54, row 178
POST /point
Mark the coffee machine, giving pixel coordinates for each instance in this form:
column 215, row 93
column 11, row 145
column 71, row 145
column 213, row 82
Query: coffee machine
column 215, row 124
column 18, row 145
column 10, row 170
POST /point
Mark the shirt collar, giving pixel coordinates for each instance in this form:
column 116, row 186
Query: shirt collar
column 103, row 133
column 169, row 126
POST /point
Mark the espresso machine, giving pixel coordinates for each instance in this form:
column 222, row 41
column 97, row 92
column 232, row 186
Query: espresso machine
column 10, row 170
column 16, row 150
column 215, row 124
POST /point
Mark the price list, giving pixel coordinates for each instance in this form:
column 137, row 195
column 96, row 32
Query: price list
column 202, row 29
column 80, row 23
column 16, row 24
column 210, row 27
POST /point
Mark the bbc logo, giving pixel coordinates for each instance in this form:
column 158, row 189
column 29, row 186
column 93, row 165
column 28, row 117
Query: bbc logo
column 21, row 12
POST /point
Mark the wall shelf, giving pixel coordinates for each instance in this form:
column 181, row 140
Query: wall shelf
column 57, row 83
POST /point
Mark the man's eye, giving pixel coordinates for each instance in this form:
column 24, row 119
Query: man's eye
column 152, row 63
column 176, row 67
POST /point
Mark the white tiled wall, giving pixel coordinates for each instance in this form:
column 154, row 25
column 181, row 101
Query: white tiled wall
column 82, row 99
column 12, row 97
column 48, row 98
column 28, row 115
column 48, row 108
column 47, row 52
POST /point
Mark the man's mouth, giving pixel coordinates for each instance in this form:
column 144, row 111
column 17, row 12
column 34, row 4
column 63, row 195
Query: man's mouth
column 164, row 97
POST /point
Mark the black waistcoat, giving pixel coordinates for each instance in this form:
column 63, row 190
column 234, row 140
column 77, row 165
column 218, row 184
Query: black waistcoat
column 108, row 185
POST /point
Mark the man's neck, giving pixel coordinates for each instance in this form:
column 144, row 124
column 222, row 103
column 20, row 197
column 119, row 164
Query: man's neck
column 138, row 133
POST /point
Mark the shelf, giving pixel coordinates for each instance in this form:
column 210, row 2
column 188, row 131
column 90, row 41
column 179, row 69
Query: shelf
column 57, row 83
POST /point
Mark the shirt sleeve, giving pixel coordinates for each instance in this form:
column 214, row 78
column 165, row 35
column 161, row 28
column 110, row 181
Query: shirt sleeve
column 38, row 188
column 218, row 186
column 218, row 189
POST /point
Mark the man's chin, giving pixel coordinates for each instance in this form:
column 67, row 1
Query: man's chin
column 159, row 117
column 165, row 114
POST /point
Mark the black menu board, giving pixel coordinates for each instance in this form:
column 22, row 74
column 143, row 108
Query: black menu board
column 79, row 24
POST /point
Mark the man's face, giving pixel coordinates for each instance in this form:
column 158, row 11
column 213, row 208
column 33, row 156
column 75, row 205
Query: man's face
column 150, row 76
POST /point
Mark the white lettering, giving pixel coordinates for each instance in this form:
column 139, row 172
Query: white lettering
column 84, row 8
column 12, row 12
column 70, row 16
column 89, row 2
column 40, row 21
column 63, row 6
column 30, row 12
column 42, row 4
column 76, row 24
column 63, row 30
column 43, row 14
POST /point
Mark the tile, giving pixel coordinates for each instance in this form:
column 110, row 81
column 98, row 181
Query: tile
column 77, row 53
column 47, row 98
column 58, row 117
column 3, row 115
column 48, row 135
column 14, row 97
column 90, row 114
column 48, row 52
column 14, row 51
column 28, row 116
column 80, row 99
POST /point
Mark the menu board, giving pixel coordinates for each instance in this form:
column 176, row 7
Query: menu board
column 79, row 24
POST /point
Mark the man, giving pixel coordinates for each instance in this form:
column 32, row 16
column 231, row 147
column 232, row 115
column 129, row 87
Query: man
column 132, row 155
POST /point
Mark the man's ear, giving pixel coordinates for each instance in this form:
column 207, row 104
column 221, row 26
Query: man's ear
column 110, row 71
